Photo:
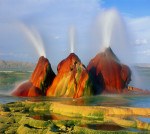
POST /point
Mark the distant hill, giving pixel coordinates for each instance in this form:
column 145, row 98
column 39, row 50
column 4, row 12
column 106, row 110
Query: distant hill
column 143, row 65
column 16, row 66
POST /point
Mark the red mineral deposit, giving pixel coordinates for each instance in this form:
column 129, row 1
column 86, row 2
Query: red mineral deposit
column 72, row 79
column 109, row 74
column 41, row 79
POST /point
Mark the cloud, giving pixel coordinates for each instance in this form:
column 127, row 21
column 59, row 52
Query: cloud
column 57, row 37
column 147, row 52
column 144, row 52
column 139, row 42
column 140, row 27
column 140, row 32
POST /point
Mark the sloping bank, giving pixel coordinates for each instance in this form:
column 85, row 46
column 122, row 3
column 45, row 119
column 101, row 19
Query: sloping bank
column 17, row 118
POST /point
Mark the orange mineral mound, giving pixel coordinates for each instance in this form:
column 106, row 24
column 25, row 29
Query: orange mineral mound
column 41, row 79
column 109, row 74
column 72, row 79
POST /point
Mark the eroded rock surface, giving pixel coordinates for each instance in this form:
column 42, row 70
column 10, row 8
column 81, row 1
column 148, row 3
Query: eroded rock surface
column 72, row 80
column 109, row 73
column 41, row 79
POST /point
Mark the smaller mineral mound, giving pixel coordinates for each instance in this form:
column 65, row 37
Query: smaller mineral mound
column 27, row 89
column 41, row 79
column 72, row 79
column 109, row 74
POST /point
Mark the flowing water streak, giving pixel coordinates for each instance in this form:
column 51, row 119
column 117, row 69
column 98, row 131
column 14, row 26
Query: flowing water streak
column 72, row 37
column 35, row 38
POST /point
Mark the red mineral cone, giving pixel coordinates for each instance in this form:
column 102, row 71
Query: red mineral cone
column 108, row 72
column 41, row 79
column 72, row 79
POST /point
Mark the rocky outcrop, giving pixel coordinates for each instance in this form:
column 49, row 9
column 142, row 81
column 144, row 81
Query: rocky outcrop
column 137, row 91
column 41, row 79
column 27, row 89
column 72, row 80
column 43, row 75
column 109, row 74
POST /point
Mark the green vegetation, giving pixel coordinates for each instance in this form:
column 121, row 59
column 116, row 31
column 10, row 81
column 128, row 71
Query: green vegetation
column 8, row 80
column 79, row 71
column 44, row 84
column 89, row 88
column 18, row 117
column 16, row 66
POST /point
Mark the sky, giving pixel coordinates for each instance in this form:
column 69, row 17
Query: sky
column 26, row 24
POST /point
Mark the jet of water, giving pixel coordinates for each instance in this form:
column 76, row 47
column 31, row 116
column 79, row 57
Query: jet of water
column 72, row 37
column 108, row 20
column 35, row 38
column 111, row 31
column 104, row 27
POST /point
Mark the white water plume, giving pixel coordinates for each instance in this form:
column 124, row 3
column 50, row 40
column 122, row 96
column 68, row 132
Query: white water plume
column 105, row 24
column 110, row 30
column 35, row 38
column 72, row 39
column 107, row 18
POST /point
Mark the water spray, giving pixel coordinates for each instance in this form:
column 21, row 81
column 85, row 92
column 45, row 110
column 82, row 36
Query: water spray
column 35, row 38
column 106, row 21
column 72, row 37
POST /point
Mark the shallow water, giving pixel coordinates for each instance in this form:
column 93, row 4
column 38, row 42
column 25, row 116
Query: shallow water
column 105, row 127
column 144, row 119
column 100, row 100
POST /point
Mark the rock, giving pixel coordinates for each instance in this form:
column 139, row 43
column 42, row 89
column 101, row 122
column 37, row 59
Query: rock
column 22, row 89
column 41, row 79
column 43, row 75
column 27, row 89
column 72, row 79
column 109, row 74
column 34, row 92
column 137, row 91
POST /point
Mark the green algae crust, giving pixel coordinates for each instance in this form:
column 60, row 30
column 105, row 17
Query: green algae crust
column 15, row 118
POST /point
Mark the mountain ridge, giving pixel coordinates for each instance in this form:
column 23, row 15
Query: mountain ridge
column 16, row 66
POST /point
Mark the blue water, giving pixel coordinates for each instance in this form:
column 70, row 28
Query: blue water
column 101, row 100
column 7, row 99
column 140, row 101
column 144, row 119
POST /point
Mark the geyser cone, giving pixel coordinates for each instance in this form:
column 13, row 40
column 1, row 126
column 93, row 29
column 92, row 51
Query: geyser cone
column 41, row 79
column 43, row 74
column 109, row 74
column 72, row 79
